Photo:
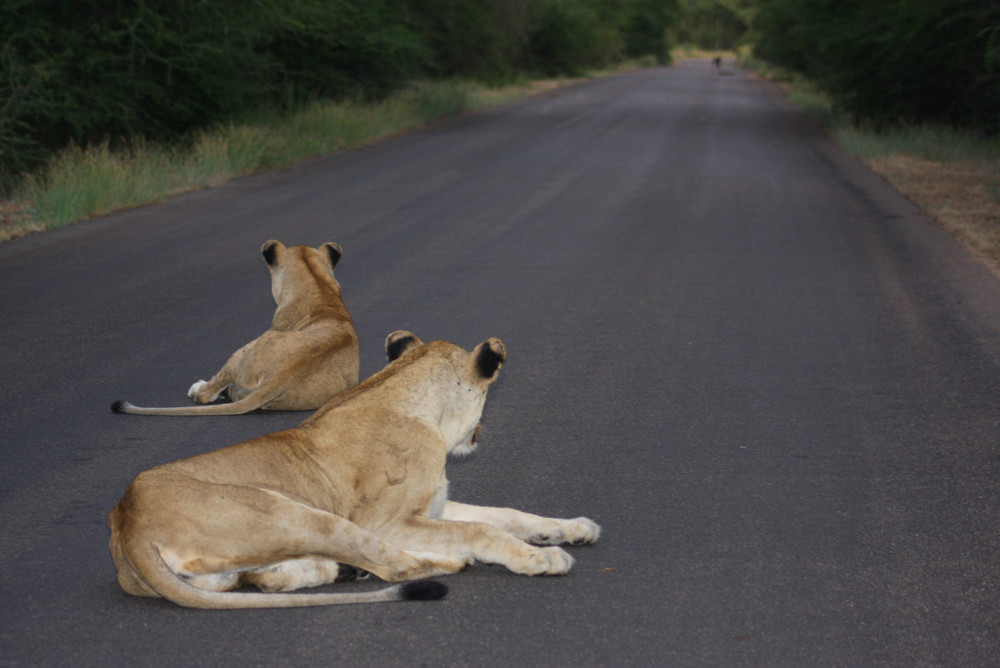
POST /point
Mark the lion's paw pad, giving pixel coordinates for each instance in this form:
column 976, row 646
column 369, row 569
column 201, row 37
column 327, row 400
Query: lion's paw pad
column 549, row 561
column 196, row 388
column 584, row 530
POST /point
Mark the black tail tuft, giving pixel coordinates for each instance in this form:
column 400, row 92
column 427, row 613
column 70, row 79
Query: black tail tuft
column 119, row 406
column 424, row 590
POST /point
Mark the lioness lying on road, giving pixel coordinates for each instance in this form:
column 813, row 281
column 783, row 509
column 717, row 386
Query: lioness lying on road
column 309, row 354
column 361, row 482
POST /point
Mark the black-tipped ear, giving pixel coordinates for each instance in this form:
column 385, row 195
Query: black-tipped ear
column 490, row 356
column 334, row 251
column 270, row 251
column 399, row 342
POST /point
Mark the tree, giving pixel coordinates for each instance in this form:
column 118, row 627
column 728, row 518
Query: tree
column 646, row 28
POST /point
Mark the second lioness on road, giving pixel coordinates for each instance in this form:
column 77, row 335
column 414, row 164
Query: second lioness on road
column 309, row 354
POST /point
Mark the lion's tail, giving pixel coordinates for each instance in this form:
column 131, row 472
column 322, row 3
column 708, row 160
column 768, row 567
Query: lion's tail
column 251, row 402
column 158, row 576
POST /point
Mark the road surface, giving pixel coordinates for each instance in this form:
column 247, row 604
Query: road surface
column 772, row 381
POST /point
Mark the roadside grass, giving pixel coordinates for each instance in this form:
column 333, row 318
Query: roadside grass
column 690, row 51
column 953, row 175
column 84, row 182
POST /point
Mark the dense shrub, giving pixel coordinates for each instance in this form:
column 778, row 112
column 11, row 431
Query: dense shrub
column 91, row 70
column 95, row 71
column 895, row 61
column 646, row 28
column 566, row 38
column 338, row 48
column 471, row 38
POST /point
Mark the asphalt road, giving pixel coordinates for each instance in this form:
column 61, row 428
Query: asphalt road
column 769, row 378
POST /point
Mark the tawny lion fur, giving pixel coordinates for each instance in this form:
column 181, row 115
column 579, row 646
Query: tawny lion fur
column 361, row 482
column 309, row 354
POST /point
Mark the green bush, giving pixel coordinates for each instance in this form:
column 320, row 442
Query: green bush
column 478, row 39
column 93, row 72
column 896, row 61
column 567, row 37
column 90, row 71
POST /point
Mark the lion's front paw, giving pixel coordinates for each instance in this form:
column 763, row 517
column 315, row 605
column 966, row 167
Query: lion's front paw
column 583, row 530
column 546, row 561
column 575, row 532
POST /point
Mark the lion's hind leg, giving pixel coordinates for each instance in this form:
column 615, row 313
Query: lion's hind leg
column 207, row 391
column 225, row 384
column 332, row 545
column 294, row 574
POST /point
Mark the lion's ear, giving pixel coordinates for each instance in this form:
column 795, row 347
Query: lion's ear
column 399, row 342
column 333, row 251
column 270, row 251
column 490, row 356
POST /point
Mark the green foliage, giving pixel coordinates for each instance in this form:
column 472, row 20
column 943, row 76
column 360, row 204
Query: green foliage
column 482, row 39
column 896, row 61
column 646, row 28
column 712, row 24
column 113, row 71
column 91, row 70
column 333, row 48
column 109, row 70
column 567, row 38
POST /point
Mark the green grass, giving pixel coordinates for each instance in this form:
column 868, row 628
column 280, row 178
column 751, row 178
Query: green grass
column 81, row 183
column 942, row 144
column 96, row 180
